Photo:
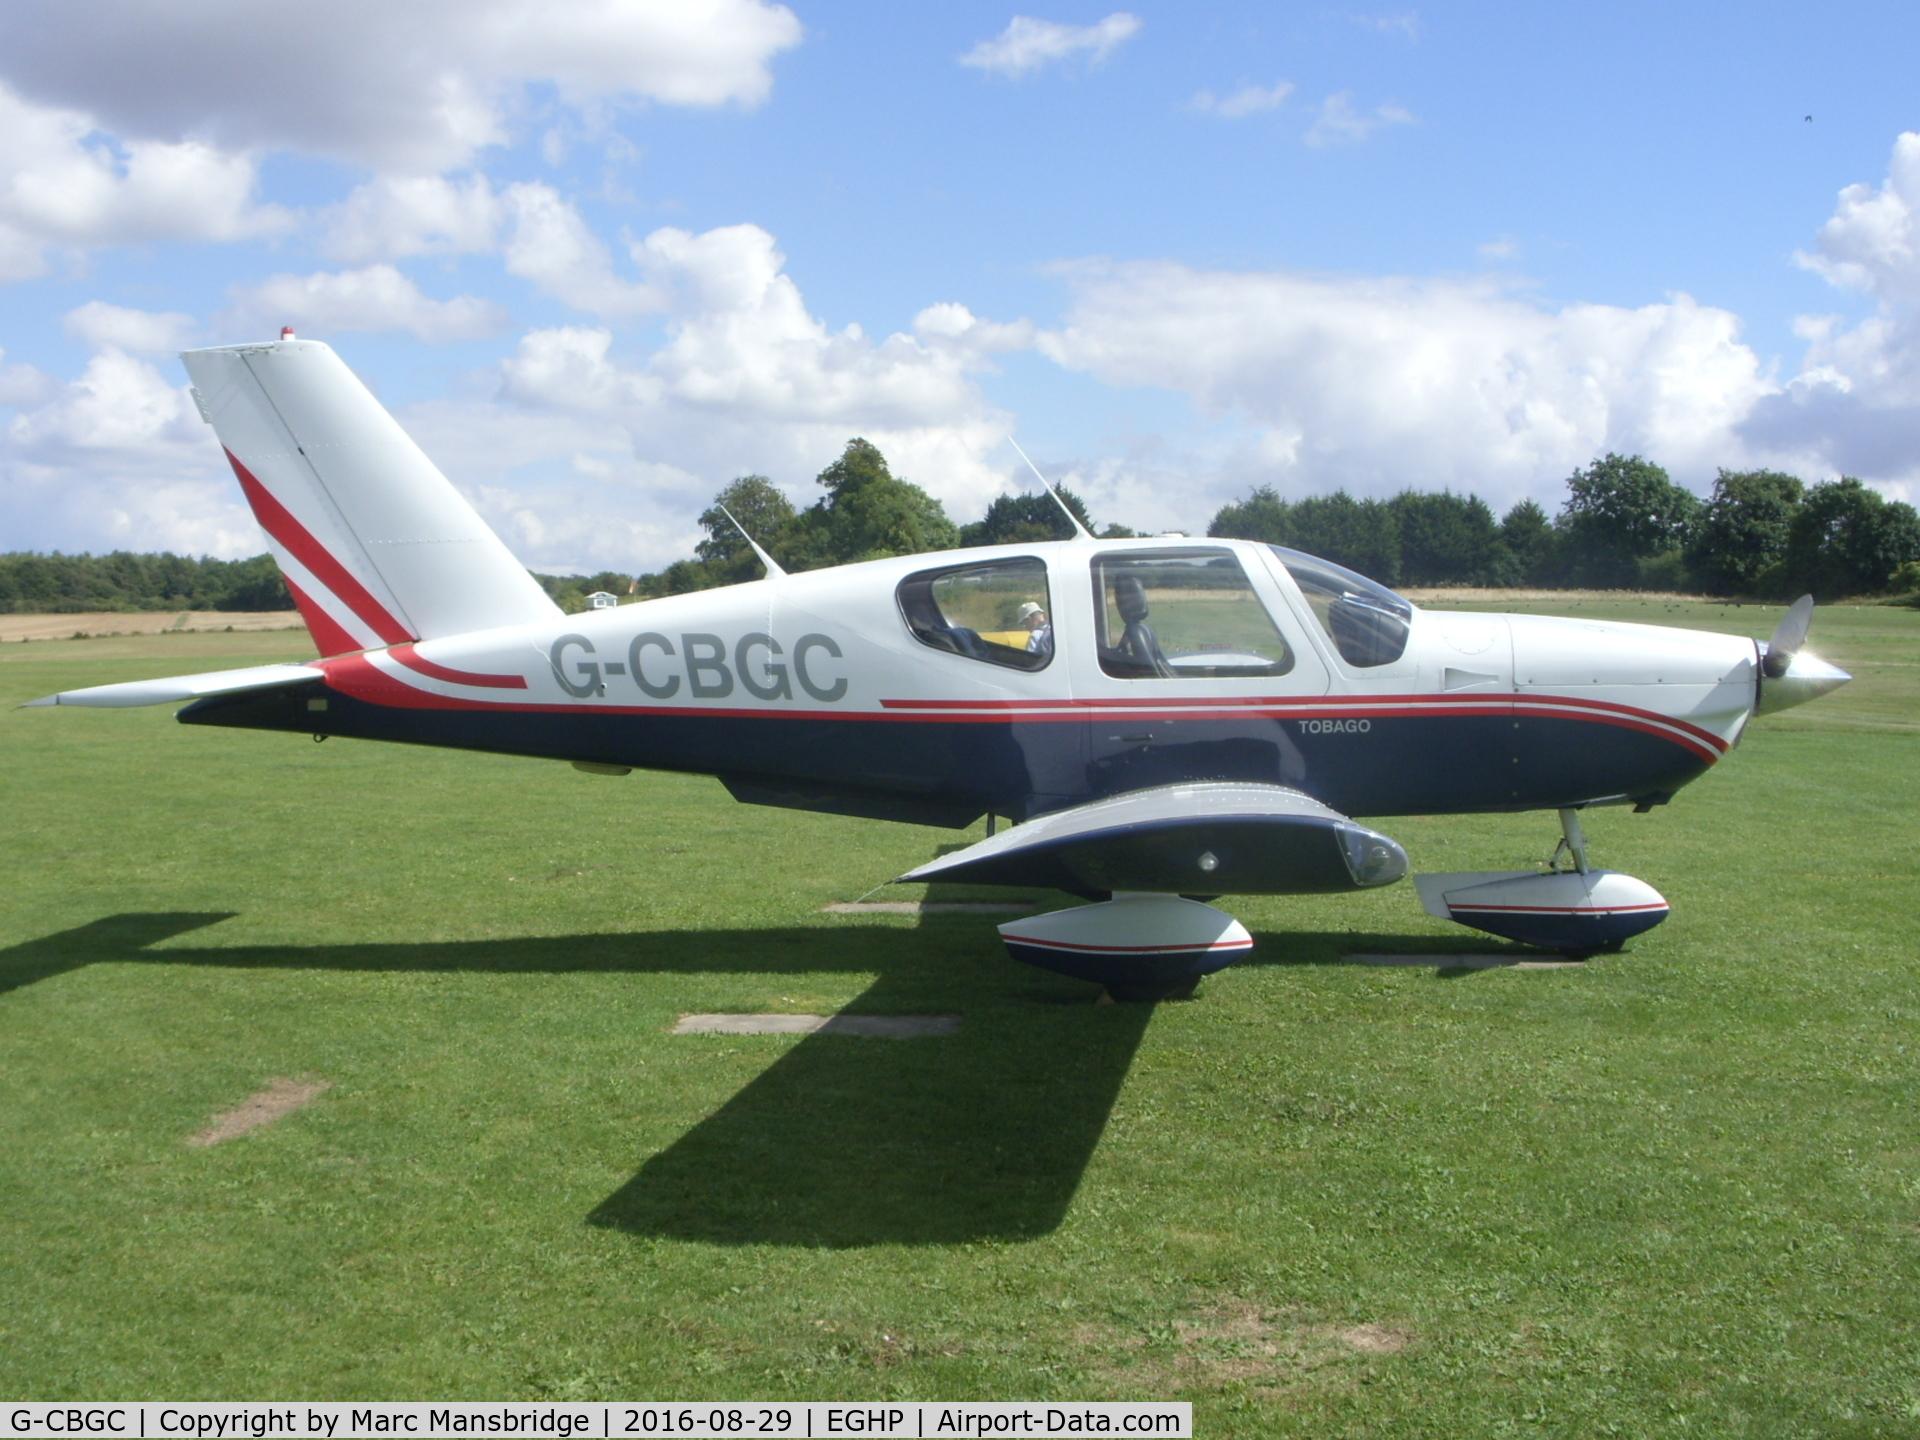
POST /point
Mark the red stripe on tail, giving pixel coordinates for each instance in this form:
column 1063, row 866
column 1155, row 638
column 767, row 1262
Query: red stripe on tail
column 324, row 629
column 278, row 522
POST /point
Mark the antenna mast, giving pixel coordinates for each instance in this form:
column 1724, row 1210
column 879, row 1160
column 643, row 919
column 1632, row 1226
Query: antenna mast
column 774, row 572
column 1072, row 519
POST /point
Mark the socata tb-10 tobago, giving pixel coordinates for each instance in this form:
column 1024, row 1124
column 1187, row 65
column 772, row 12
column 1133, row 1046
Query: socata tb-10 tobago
column 1167, row 720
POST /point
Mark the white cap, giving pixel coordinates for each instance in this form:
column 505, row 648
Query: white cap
column 1029, row 610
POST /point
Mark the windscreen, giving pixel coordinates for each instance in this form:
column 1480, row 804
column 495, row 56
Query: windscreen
column 1367, row 622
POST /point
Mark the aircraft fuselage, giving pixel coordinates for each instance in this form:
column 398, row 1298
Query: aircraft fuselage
column 854, row 690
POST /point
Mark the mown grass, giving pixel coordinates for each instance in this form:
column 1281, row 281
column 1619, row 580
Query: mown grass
column 1674, row 1191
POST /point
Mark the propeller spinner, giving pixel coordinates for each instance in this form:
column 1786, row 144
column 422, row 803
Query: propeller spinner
column 1789, row 674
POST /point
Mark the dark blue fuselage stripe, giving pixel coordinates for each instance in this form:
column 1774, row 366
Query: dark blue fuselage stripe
column 1401, row 765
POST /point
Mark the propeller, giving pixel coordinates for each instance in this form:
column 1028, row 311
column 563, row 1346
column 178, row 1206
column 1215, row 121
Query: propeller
column 1791, row 674
column 1788, row 636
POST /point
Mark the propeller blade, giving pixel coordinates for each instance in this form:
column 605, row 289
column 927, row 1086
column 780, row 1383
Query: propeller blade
column 1788, row 636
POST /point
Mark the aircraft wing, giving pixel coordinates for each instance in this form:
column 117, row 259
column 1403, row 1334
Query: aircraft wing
column 1212, row 837
column 185, row 687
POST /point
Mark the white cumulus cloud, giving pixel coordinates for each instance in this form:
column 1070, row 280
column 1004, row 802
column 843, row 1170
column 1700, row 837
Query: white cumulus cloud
column 747, row 380
column 1406, row 26
column 1383, row 383
column 540, row 235
column 553, row 247
column 414, row 87
column 1872, row 241
column 1854, row 408
column 394, row 216
column 1027, row 44
column 100, row 326
column 1247, row 100
column 376, row 298
column 583, row 451
column 62, row 183
column 1339, row 123
column 119, row 458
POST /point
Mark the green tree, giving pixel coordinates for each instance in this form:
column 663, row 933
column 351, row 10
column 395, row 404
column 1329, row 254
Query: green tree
column 1024, row 519
column 1847, row 540
column 1263, row 515
column 1446, row 539
column 867, row 513
column 1743, row 530
column 1621, row 511
column 1362, row 535
column 757, row 504
column 1527, row 537
column 32, row 583
column 254, row 584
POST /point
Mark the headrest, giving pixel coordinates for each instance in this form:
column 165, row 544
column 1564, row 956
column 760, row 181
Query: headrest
column 1131, row 598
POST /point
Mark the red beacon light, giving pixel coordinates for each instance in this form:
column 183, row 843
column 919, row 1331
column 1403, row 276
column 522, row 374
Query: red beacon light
column 286, row 332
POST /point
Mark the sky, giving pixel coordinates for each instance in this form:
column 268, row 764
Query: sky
column 603, row 256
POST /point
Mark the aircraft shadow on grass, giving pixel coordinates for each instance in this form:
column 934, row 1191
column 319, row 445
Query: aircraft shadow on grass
column 844, row 1141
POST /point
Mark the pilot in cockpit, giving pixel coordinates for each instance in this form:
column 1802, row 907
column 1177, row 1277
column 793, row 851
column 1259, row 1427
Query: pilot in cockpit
column 1039, row 629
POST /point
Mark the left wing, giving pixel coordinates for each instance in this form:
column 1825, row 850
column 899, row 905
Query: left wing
column 185, row 687
column 1209, row 837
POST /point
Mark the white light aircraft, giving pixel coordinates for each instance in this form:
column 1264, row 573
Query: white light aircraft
column 1166, row 721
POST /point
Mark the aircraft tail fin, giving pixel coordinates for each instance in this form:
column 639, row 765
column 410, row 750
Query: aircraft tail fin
column 374, row 542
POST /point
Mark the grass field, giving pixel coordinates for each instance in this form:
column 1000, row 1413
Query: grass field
column 1675, row 1191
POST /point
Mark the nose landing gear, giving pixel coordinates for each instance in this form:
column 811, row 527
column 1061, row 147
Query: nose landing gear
column 1578, row 910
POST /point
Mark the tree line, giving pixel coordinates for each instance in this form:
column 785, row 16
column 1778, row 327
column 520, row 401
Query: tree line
column 59, row 584
column 1624, row 525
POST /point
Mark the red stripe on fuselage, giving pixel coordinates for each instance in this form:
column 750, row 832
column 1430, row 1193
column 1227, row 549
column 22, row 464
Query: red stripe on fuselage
column 415, row 661
column 278, row 521
column 327, row 635
column 379, row 688
column 1310, row 707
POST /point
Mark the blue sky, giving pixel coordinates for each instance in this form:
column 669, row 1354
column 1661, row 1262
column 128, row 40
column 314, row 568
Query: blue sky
column 603, row 255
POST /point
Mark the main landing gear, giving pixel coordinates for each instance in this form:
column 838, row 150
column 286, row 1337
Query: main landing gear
column 1569, row 907
column 1141, row 947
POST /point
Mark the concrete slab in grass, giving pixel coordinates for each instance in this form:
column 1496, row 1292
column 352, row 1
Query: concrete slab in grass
column 929, row 907
column 1468, row 962
column 892, row 1027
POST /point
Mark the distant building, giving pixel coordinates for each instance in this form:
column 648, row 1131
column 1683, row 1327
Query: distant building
column 603, row 600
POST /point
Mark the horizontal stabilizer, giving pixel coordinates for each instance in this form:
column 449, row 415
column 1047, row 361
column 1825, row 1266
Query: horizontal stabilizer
column 185, row 687
column 1213, row 837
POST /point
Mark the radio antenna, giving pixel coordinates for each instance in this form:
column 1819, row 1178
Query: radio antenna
column 774, row 572
column 1072, row 519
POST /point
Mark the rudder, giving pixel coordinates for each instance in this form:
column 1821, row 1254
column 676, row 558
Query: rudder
column 374, row 542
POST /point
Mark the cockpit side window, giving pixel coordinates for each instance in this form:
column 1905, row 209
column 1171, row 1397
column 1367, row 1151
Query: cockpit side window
column 999, row 612
column 1367, row 622
column 1186, row 614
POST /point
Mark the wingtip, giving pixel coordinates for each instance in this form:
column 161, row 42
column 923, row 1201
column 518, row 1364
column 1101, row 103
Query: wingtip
column 43, row 700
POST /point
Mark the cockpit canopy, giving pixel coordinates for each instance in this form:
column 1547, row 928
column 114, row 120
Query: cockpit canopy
column 1367, row 622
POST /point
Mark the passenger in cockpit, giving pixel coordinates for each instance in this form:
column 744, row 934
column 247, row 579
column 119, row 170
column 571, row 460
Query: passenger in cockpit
column 1039, row 629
